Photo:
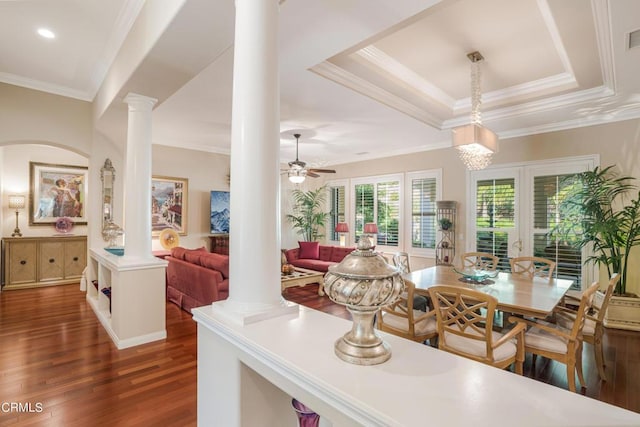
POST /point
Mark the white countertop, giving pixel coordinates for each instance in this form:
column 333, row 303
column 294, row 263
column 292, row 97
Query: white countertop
column 419, row 385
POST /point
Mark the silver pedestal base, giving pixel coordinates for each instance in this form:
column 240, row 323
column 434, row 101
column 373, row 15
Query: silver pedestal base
column 361, row 345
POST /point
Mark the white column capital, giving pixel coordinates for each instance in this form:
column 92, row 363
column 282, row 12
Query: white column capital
column 138, row 102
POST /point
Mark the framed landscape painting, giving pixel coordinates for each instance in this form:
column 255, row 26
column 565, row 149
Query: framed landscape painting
column 169, row 202
column 219, row 214
column 57, row 191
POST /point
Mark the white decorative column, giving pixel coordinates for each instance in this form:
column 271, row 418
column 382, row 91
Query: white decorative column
column 254, row 247
column 137, row 190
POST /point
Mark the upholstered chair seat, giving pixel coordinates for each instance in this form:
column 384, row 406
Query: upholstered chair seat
column 479, row 348
column 426, row 326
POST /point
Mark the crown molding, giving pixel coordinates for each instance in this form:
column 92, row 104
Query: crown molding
column 341, row 76
column 602, row 20
column 600, row 119
column 538, row 106
column 45, row 87
column 560, row 81
column 381, row 60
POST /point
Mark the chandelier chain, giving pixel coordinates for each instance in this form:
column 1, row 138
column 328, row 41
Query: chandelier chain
column 476, row 93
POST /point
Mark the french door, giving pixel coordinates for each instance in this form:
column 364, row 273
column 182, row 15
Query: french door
column 515, row 208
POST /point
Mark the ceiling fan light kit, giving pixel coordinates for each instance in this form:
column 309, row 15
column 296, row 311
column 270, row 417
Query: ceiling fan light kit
column 474, row 142
column 298, row 172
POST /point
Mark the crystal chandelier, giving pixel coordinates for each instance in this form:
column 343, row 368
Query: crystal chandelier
column 474, row 142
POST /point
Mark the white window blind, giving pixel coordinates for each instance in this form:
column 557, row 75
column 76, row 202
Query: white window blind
column 364, row 207
column 423, row 213
column 495, row 217
column 337, row 212
column 552, row 238
column 388, row 212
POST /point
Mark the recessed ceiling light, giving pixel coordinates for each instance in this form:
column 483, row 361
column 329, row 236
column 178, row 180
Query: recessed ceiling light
column 46, row 33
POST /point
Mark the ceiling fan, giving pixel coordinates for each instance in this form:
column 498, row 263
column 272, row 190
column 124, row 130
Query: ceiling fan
column 298, row 171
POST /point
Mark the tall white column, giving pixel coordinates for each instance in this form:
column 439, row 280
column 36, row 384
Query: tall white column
column 137, row 188
column 254, row 247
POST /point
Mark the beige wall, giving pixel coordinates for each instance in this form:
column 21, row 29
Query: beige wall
column 36, row 117
column 615, row 143
column 206, row 172
column 15, row 180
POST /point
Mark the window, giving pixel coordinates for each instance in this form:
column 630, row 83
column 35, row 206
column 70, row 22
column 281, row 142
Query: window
column 550, row 211
column 337, row 198
column 423, row 192
column 518, row 208
column 495, row 217
column 379, row 200
column 337, row 212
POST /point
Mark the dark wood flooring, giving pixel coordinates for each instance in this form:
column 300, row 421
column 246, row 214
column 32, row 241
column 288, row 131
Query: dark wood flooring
column 59, row 364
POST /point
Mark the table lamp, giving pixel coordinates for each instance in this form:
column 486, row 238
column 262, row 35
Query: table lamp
column 370, row 231
column 16, row 202
column 342, row 228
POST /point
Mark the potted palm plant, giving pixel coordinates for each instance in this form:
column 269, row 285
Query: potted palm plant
column 609, row 222
column 308, row 216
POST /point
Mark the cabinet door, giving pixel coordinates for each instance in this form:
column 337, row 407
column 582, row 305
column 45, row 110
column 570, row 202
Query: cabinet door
column 51, row 261
column 75, row 258
column 21, row 265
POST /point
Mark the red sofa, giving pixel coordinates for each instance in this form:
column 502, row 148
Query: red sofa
column 196, row 277
column 319, row 260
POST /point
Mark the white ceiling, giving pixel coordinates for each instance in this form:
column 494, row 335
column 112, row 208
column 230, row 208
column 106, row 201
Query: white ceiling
column 359, row 78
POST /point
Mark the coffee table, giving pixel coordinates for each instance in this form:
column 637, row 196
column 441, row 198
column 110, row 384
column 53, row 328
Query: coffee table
column 301, row 277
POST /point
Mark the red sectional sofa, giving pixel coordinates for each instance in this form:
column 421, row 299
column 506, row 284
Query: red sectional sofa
column 196, row 277
column 319, row 260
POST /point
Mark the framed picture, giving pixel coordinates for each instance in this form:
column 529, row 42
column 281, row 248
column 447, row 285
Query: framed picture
column 169, row 202
column 219, row 214
column 57, row 191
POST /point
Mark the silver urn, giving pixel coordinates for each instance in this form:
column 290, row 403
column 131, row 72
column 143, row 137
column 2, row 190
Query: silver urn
column 363, row 282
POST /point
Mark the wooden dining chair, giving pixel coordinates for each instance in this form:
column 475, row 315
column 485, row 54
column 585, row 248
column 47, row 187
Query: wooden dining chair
column 480, row 260
column 402, row 319
column 401, row 260
column 465, row 321
column 532, row 266
column 558, row 343
column 593, row 329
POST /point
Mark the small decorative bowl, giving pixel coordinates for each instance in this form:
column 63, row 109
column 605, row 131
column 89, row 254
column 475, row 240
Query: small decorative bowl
column 119, row 251
column 63, row 225
column 474, row 274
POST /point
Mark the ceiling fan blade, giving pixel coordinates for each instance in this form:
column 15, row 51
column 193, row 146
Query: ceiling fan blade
column 321, row 170
column 312, row 174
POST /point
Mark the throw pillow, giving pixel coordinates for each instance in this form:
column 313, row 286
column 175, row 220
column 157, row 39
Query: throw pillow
column 193, row 256
column 309, row 250
column 178, row 252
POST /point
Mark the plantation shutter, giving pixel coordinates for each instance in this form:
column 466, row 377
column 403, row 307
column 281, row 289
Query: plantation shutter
column 337, row 213
column 364, row 207
column 495, row 217
column 388, row 212
column 550, row 209
column 423, row 213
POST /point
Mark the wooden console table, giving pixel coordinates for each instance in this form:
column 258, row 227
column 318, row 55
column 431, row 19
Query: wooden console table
column 43, row 261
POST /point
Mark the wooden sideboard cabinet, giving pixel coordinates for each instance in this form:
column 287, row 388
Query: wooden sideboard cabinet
column 43, row 261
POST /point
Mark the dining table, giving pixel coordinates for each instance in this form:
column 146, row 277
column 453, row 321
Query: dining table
column 516, row 293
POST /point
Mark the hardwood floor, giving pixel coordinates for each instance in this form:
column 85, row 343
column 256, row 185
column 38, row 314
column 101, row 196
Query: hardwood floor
column 54, row 355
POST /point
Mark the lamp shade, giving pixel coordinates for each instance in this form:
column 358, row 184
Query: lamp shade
column 16, row 202
column 342, row 227
column 371, row 228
